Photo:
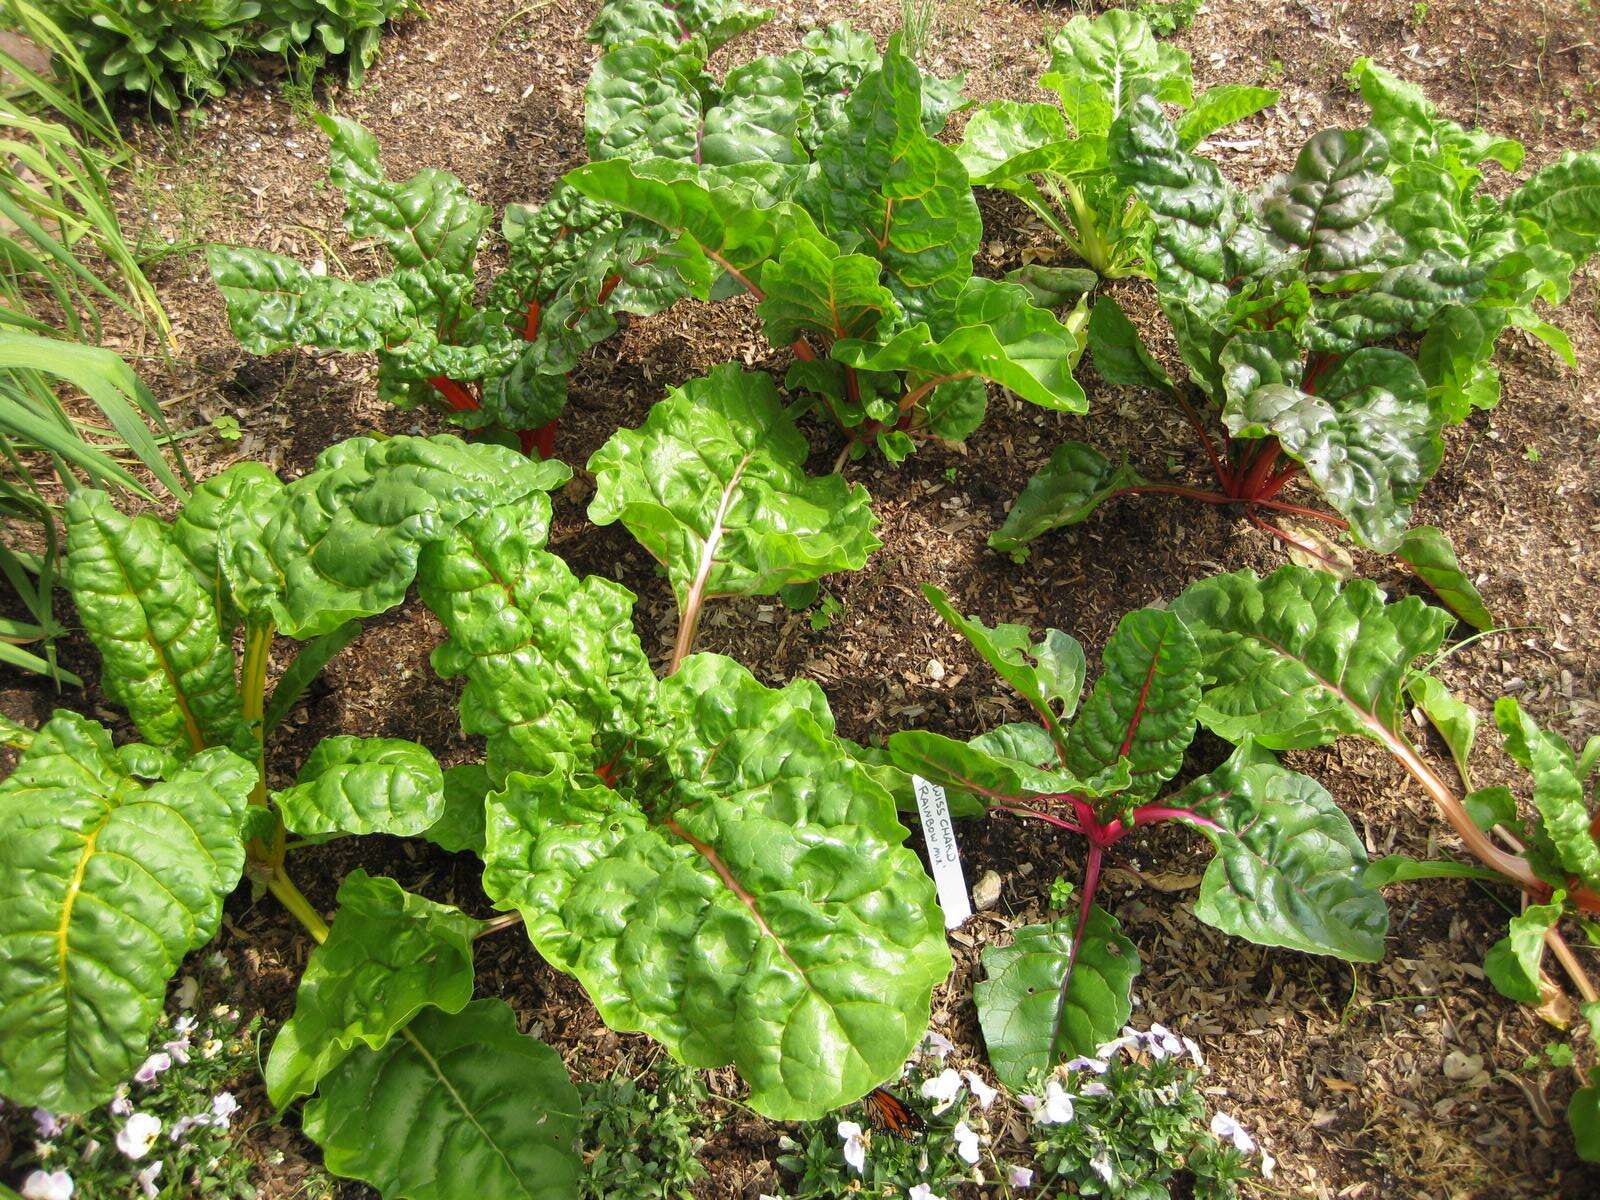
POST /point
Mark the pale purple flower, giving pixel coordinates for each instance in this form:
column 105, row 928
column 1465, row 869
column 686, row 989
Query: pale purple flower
column 1057, row 1106
column 1100, row 1164
column 147, row 1179
column 1193, row 1048
column 120, row 1105
column 49, row 1124
column 855, row 1145
column 181, row 1127
column 1083, row 1063
column 922, row 1192
column 966, row 1141
column 152, row 1067
column 1116, row 1046
column 184, row 1025
column 1021, row 1177
column 223, row 1106
column 981, row 1091
column 942, row 1088
column 137, row 1136
column 52, row 1185
column 1093, row 1088
column 1225, row 1128
column 936, row 1045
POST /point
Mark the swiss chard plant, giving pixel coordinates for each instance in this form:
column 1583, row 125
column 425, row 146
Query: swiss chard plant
column 499, row 364
column 1293, row 310
column 713, row 487
column 1055, row 157
column 853, row 227
column 701, row 852
column 1288, row 869
column 1297, row 660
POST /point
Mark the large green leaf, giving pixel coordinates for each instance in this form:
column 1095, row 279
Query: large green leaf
column 884, row 187
column 1428, row 552
column 1020, row 1006
column 995, row 332
column 459, row 1106
column 460, row 823
column 107, row 884
column 1326, row 209
column 714, row 487
column 344, row 539
column 1047, row 673
column 748, row 900
column 1414, row 128
column 1557, row 789
column 1119, row 353
column 976, row 774
column 1289, row 867
column 1369, row 438
column 1100, row 66
column 1218, row 107
column 1512, row 963
column 389, row 954
column 813, row 290
column 427, row 219
column 1297, row 659
column 708, row 23
column 1143, row 705
column 1564, row 200
column 1065, row 491
column 230, row 507
column 162, row 651
column 1456, row 721
column 364, row 785
column 1006, row 142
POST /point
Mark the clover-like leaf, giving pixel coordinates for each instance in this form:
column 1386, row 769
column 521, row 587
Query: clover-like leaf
column 1428, row 552
column 1289, row 867
column 351, row 785
column 1297, row 659
column 108, row 883
column 995, row 332
column 756, row 908
column 156, row 627
column 389, row 954
column 1065, row 491
column 1369, row 438
column 713, row 485
column 459, row 1106
column 1143, row 705
column 1026, row 1027
column 1047, row 672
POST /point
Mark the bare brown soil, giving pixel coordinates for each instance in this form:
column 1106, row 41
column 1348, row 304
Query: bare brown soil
column 1338, row 1068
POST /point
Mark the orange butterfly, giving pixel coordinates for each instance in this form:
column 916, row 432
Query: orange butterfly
column 888, row 1112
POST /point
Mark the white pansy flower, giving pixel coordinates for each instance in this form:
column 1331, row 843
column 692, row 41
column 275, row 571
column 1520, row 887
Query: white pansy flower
column 1100, row 1164
column 151, row 1067
column 922, row 1192
column 47, row 1185
column 1193, row 1048
column 1093, row 1088
column 981, row 1091
column 855, row 1145
column 1116, row 1046
column 1083, row 1063
column 942, row 1088
column 1057, row 1106
column 936, row 1045
column 140, row 1133
column 147, row 1180
column 966, row 1141
column 1021, row 1177
column 223, row 1106
column 1225, row 1128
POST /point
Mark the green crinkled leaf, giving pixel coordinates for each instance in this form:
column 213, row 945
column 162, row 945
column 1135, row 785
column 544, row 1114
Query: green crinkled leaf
column 1512, row 963
column 1119, row 352
column 1296, row 659
column 554, row 670
column 1076, row 481
column 1369, row 439
column 1564, row 200
column 1456, row 721
column 1557, row 788
column 757, row 907
column 1456, row 361
column 1428, row 552
column 460, row 823
column 222, row 511
column 1289, row 867
column 1054, row 287
column 1005, row 142
column 708, row 23
column 1143, row 705
column 1401, row 299
column 884, row 187
column 1099, row 66
column 1047, row 673
column 427, row 219
column 813, row 290
column 1204, row 236
column 389, row 954
column 1025, row 1028
column 460, row 1106
column 107, row 883
column 1414, row 129
column 163, row 655
column 713, row 485
column 994, row 331
column 974, row 774
column 1327, row 209
column 344, row 540
column 352, row 785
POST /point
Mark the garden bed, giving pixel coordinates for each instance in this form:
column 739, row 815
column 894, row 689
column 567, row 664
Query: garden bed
column 1340, row 1070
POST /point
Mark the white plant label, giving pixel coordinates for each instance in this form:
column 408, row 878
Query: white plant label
column 940, row 833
